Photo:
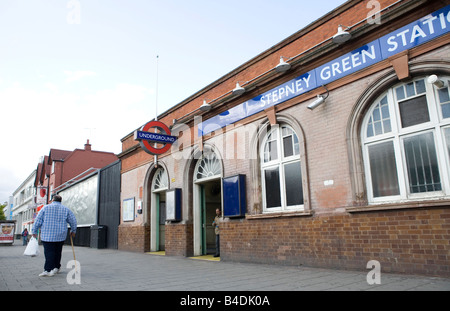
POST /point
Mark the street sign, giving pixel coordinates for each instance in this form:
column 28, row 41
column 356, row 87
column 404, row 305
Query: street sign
column 152, row 133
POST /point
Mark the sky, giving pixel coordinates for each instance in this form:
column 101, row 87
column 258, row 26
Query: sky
column 72, row 70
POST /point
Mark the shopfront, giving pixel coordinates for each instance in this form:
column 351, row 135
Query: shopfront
column 342, row 158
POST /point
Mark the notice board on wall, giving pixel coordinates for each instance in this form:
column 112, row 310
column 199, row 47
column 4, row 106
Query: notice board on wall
column 173, row 205
column 234, row 196
column 128, row 210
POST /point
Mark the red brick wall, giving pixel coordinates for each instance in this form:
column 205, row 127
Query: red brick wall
column 179, row 240
column 403, row 241
column 134, row 238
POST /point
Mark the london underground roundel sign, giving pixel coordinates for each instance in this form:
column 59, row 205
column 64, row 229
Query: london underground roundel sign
column 149, row 136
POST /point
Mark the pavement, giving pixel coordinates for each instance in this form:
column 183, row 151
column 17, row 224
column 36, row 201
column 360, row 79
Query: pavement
column 114, row 270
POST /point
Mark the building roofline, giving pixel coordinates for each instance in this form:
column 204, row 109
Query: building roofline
column 24, row 182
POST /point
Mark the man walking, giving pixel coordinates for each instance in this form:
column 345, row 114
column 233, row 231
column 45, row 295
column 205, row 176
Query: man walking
column 53, row 220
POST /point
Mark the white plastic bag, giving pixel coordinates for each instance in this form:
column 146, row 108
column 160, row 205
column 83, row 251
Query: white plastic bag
column 32, row 248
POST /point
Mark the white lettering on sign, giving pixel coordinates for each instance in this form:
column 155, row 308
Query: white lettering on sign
column 286, row 90
column 343, row 65
column 415, row 33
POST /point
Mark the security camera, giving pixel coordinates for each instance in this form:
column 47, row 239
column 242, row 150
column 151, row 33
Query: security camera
column 319, row 101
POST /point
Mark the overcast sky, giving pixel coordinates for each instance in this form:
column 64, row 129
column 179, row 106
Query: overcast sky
column 77, row 69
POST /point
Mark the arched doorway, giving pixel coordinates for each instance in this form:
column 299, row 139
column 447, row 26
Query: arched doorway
column 207, row 197
column 160, row 184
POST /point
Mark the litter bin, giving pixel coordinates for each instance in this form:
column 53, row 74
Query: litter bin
column 98, row 236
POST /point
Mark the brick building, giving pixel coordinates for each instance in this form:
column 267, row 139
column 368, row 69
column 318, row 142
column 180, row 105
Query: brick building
column 61, row 166
column 344, row 146
column 53, row 171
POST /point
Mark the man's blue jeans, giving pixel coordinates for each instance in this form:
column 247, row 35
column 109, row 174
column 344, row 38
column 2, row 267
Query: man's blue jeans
column 52, row 252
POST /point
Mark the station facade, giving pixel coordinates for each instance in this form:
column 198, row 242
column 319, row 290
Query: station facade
column 336, row 159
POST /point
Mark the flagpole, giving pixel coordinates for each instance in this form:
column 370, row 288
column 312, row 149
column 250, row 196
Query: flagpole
column 155, row 157
column 157, row 78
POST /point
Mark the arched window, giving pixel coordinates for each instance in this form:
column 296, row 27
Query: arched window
column 406, row 143
column 281, row 171
column 208, row 167
column 160, row 180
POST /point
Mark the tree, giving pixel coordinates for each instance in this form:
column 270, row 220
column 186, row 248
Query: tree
column 2, row 214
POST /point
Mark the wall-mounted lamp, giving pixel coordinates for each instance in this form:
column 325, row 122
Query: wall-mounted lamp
column 282, row 66
column 319, row 101
column 341, row 36
column 238, row 90
column 434, row 79
column 205, row 107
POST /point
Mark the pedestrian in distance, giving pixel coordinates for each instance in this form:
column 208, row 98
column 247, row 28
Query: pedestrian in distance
column 52, row 220
column 25, row 236
column 216, row 223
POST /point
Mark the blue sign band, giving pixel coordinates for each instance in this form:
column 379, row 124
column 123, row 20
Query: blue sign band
column 155, row 137
column 423, row 30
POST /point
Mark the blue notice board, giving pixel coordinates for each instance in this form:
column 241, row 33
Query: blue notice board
column 234, row 196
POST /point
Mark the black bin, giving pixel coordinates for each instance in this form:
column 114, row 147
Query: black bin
column 98, row 236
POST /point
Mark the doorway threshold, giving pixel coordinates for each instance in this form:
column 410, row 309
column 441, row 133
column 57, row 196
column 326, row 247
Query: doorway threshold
column 206, row 257
column 159, row 253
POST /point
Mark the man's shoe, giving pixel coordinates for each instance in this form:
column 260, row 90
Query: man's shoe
column 217, row 255
column 56, row 270
column 46, row 273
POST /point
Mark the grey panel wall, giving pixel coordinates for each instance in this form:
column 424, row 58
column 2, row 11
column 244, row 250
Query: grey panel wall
column 109, row 202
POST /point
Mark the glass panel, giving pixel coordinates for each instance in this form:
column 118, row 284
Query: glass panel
column 376, row 113
column 420, row 86
column 273, row 152
column 380, row 120
column 370, row 128
column 422, row 165
column 446, row 111
column 290, row 142
column 447, row 139
column 378, row 128
column 384, row 108
column 296, row 145
column 410, row 91
column 383, row 169
column 271, row 149
column 443, row 95
column 400, row 93
column 387, row 126
column 272, row 181
column 286, row 131
column 287, row 146
column 293, row 182
column 444, row 99
column 414, row 111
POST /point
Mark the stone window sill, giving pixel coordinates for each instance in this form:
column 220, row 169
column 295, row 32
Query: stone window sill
column 399, row 206
column 279, row 215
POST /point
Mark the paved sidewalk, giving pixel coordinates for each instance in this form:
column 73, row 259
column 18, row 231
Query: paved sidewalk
column 117, row 270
